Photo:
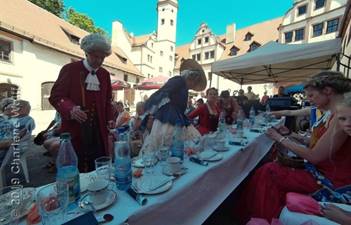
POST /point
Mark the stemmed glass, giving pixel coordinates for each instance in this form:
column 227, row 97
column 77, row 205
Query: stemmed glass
column 52, row 201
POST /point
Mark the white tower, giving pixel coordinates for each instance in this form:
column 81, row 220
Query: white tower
column 166, row 36
column 167, row 20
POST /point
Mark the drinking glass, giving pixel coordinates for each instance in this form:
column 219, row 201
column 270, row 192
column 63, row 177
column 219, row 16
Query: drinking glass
column 163, row 153
column 149, row 159
column 103, row 167
column 11, row 198
column 52, row 203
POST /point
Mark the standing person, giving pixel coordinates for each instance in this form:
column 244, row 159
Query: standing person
column 208, row 113
column 168, row 105
column 82, row 95
column 264, row 98
column 250, row 95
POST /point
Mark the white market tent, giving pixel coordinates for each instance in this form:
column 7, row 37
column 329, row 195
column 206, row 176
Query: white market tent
column 275, row 62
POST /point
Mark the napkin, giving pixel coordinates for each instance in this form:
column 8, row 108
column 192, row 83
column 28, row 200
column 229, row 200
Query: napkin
column 151, row 183
column 207, row 154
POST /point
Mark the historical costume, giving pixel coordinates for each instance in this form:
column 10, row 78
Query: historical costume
column 169, row 103
column 84, row 91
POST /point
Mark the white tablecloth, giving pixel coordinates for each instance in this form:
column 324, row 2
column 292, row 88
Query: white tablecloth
column 196, row 194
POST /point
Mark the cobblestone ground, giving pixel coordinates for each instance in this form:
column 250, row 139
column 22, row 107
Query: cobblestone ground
column 36, row 162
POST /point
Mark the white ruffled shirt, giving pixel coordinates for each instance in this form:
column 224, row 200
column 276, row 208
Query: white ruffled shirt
column 92, row 81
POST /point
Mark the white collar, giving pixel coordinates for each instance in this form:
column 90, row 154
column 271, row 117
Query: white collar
column 92, row 81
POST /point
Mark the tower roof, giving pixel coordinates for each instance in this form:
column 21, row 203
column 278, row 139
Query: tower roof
column 171, row 2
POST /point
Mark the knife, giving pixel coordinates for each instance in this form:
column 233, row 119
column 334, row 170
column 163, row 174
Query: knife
column 198, row 161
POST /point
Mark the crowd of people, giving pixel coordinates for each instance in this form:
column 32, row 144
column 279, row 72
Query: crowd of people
column 82, row 97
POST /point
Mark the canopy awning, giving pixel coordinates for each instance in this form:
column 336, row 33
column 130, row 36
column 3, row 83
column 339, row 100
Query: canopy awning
column 152, row 83
column 119, row 85
column 275, row 62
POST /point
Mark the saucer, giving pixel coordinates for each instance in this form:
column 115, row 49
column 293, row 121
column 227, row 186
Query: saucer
column 166, row 171
column 110, row 199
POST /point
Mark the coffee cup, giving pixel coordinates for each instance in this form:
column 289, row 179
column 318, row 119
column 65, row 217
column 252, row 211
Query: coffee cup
column 174, row 164
column 97, row 191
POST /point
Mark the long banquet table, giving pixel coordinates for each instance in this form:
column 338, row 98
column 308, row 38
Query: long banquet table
column 197, row 193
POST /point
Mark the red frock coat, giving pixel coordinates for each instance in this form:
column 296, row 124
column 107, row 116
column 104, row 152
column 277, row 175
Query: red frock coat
column 67, row 93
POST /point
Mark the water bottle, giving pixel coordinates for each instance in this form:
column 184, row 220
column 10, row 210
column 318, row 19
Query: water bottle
column 240, row 123
column 67, row 168
column 268, row 108
column 252, row 116
column 177, row 147
column 123, row 163
column 268, row 115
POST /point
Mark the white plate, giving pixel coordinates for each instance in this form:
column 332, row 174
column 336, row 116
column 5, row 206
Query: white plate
column 220, row 149
column 161, row 189
column 167, row 171
column 215, row 158
column 138, row 163
column 110, row 199
column 28, row 199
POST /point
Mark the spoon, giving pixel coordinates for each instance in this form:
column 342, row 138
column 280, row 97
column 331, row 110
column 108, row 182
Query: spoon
column 105, row 218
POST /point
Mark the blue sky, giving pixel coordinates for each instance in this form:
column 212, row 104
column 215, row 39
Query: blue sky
column 139, row 16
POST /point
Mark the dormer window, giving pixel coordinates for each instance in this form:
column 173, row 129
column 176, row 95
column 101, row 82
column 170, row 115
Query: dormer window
column 248, row 36
column 234, row 51
column 73, row 38
column 122, row 59
column 254, row 45
column 206, row 39
column 301, row 10
column 319, row 4
column 199, row 41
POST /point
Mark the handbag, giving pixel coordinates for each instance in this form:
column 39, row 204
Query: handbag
column 301, row 203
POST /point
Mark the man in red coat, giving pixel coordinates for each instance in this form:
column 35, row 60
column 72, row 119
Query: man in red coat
column 82, row 95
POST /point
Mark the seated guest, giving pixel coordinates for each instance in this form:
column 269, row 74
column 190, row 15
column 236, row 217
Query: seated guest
column 241, row 98
column 199, row 102
column 123, row 115
column 264, row 195
column 189, row 107
column 6, row 127
column 135, row 121
column 281, row 93
column 208, row 113
column 228, row 106
column 21, row 119
column 330, row 211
